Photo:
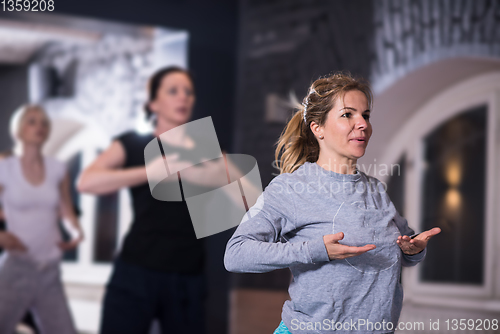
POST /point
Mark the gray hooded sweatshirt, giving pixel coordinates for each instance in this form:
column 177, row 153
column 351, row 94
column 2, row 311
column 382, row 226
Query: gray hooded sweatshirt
column 285, row 229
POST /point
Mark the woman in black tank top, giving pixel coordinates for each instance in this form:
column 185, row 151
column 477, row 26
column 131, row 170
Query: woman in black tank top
column 159, row 273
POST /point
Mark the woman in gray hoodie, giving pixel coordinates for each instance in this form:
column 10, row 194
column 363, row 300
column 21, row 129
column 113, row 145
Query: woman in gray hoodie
column 332, row 225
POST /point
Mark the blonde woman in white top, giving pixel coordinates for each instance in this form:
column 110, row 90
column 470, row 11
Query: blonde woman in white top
column 35, row 195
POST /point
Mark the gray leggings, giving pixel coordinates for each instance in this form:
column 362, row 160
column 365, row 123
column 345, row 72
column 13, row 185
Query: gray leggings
column 27, row 285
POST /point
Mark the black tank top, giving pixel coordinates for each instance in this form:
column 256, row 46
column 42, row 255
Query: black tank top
column 162, row 236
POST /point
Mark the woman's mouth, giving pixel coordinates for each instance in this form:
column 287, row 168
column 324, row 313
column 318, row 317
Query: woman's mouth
column 359, row 140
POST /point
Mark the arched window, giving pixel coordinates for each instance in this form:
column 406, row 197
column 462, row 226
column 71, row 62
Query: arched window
column 450, row 158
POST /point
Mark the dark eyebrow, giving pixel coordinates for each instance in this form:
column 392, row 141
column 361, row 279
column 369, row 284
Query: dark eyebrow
column 354, row 109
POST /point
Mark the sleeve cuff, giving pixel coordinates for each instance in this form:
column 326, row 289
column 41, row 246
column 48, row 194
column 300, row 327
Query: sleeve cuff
column 317, row 250
column 416, row 257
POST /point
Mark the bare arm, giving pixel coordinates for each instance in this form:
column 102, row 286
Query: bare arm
column 69, row 216
column 250, row 190
column 2, row 156
column 217, row 173
column 105, row 174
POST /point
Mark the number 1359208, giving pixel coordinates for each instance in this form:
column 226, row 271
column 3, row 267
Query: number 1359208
column 27, row 5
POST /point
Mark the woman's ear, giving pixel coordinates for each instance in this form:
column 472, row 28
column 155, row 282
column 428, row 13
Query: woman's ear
column 151, row 106
column 316, row 129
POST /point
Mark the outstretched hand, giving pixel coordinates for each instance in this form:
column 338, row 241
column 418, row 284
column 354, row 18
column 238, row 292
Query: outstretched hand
column 338, row 251
column 413, row 246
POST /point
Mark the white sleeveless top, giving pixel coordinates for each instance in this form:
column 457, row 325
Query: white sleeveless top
column 32, row 212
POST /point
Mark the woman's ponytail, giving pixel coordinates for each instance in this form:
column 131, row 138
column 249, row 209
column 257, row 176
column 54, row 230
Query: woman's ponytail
column 296, row 144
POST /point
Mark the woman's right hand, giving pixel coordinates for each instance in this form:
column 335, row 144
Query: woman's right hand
column 10, row 242
column 337, row 251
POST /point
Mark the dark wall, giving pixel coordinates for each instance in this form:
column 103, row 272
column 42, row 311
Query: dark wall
column 14, row 85
column 213, row 29
column 285, row 46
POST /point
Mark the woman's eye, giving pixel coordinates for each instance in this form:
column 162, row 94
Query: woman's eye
column 172, row 91
column 347, row 114
column 366, row 116
column 189, row 92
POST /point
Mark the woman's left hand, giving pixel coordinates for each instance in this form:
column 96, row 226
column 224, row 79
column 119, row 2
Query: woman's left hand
column 73, row 243
column 413, row 246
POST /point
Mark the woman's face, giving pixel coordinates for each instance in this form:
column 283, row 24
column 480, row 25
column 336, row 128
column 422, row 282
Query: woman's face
column 34, row 128
column 174, row 99
column 347, row 128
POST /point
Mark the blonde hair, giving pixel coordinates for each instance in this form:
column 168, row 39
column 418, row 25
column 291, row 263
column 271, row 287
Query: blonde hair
column 16, row 122
column 297, row 144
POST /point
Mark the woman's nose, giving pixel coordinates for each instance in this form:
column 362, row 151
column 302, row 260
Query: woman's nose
column 361, row 123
